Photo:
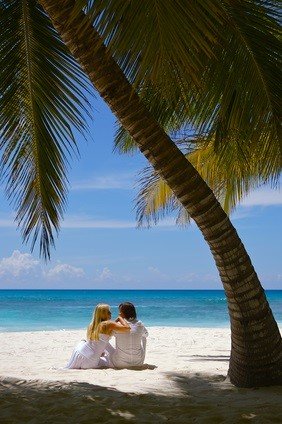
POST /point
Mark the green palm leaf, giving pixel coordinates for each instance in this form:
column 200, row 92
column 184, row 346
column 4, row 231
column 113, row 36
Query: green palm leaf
column 245, row 83
column 231, row 89
column 42, row 101
column 230, row 179
column 158, row 42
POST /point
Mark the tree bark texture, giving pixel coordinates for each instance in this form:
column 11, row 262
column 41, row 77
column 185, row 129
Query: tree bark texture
column 256, row 349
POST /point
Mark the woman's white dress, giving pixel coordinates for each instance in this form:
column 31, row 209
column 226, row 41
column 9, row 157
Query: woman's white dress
column 87, row 354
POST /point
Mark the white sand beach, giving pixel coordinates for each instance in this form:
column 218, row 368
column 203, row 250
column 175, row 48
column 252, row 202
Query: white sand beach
column 183, row 381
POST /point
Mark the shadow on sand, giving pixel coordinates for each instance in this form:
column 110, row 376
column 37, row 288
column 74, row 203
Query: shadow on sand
column 199, row 399
column 137, row 368
column 215, row 358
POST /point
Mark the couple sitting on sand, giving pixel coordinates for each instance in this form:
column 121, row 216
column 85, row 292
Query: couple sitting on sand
column 97, row 352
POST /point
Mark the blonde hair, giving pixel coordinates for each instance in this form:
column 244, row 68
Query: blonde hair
column 100, row 314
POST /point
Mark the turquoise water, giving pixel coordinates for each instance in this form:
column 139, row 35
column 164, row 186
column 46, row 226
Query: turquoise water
column 29, row 310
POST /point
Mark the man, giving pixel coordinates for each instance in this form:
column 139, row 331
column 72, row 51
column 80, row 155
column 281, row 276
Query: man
column 131, row 346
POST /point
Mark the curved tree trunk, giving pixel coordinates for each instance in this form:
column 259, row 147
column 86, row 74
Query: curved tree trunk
column 256, row 351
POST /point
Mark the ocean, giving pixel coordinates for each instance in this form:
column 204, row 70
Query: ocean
column 34, row 310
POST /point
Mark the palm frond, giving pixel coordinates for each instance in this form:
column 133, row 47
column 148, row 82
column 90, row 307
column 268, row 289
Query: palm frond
column 123, row 142
column 155, row 199
column 239, row 91
column 162, row 44
column 231, row 177
column 245, row 83
column 42, row 102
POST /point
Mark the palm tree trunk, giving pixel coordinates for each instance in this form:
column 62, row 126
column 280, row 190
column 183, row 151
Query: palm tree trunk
column 256, row 351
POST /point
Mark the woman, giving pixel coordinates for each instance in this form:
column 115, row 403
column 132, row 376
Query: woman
column 130, row 346
column 88, row 354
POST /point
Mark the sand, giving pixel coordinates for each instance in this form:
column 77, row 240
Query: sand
column 183, row 381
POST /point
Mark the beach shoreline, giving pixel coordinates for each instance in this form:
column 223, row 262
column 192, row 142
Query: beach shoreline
column 184, row 377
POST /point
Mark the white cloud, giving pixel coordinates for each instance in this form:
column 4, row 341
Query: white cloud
column 21, row 269
column 82, row 221
column 7, row 223
column 107, row 182
column 19, row 264
column 263, row 197
column 85, row 221
column 269, row 277
column 64, row 271
column 183, row 281
column 166, row 222
column 187, row 278
column 104, row 275
column 158, row 274
column 194, row 277
column 241, row 213
column 106, row 278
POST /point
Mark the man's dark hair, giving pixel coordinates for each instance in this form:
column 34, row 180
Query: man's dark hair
column 128, row 310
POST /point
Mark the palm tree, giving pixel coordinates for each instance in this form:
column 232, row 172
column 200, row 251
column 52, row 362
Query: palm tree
column 116, row 57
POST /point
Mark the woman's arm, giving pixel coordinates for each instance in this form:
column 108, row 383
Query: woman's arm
column 123, row 322
column 120, row 325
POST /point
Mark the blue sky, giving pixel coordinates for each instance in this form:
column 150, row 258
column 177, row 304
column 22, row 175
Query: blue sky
column 100, row 247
